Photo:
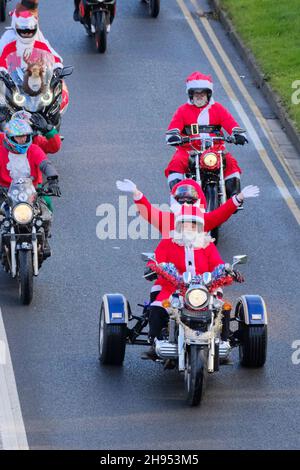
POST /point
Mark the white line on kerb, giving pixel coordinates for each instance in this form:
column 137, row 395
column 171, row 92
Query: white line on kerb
column 12, row 429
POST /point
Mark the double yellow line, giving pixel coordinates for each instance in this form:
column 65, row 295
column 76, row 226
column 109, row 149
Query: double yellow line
column 290, row 201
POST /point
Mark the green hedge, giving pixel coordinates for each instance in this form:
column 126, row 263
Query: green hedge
column 271, row 29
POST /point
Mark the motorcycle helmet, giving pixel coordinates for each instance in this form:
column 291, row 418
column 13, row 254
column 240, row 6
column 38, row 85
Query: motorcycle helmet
column 197, row 82
column 25, row 24
column 23, row 115
column 17, row 128
column 188, row 191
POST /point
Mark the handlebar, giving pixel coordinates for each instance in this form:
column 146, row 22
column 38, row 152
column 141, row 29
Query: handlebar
column 228, row 139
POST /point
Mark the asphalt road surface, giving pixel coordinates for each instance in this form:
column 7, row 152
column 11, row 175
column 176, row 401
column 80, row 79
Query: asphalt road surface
column 121, row 103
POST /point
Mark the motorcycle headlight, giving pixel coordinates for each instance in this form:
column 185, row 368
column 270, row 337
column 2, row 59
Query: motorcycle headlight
column 22, row 214
column 197, row 298
column 47, row 98
column 19, row 99
column 210, row 159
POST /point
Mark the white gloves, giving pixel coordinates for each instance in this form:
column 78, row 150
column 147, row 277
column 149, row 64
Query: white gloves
column 126, row 186
column 250, row 191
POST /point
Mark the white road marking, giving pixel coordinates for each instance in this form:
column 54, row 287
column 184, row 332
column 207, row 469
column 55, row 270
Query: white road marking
column 288, row 198
column 12, row 429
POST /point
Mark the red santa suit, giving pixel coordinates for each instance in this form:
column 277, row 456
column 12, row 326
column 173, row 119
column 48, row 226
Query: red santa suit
column 31, row 162
column 11, row 42
column 164, row 221
column 213, row 114
column 196, row 259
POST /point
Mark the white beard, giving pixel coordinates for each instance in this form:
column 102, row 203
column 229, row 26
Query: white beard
column 18, row 166
column 200, row 102
column 192, row 239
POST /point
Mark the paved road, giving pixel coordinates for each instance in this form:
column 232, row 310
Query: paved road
column 120, row 106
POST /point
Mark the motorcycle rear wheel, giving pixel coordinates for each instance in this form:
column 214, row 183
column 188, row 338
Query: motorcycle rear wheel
column 253, row 342
column 25, row 277
column 112, row 341
column 3, row 10
column 212, row 198
column 195, row 374
column 154, row 8
column 101, row 32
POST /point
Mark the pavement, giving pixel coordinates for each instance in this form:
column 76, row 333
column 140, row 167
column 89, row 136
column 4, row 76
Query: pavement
column 121, row 104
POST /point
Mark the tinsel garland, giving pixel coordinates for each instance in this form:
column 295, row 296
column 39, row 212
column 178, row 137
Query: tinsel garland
column 169, row 272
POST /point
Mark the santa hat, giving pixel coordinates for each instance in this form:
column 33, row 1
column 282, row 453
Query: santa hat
column 198, row 80
column 189, row 213
column 196, row 186
column 26, row 7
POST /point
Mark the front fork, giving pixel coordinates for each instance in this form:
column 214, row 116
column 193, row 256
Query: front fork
column 222, row 180
column 13, row 252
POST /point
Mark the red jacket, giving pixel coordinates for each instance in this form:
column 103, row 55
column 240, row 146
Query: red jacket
column 50, row 144
column 213, row 114
column 164, row 221
column 35, row 156
column 198, row 260
column 11, row 48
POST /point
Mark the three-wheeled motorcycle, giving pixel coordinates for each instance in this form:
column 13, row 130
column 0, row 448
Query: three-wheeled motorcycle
column 198, row 315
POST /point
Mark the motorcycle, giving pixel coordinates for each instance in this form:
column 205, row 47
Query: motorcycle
column 207, row 164
column 32, row 84
column 197, row 315
column 3, row 10
column 97, row 17
column 153, row 6
column 24, row 229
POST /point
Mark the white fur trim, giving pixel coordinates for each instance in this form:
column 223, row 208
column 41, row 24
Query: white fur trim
column 156, row 288
column 175, row 176
column 233, row 175
column 199, row 84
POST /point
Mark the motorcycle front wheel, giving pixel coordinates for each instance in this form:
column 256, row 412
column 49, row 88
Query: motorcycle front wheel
column 112, row 341
column 101, row 32
column 3, row 10
column 25, row 277
column 195, row 374
column 154, row 7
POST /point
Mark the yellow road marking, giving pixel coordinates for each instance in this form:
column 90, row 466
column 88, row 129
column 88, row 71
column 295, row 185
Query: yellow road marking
column 290, row 201
column 254, row 108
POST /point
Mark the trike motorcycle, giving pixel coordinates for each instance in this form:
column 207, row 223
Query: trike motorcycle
column 198, row 314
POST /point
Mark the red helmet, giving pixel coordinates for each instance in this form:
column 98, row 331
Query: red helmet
column 188, row 191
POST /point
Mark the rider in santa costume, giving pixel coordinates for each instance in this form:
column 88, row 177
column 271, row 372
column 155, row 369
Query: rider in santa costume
column 185, row 192
column 190, row 249
column 25, row 34
column 201, row 109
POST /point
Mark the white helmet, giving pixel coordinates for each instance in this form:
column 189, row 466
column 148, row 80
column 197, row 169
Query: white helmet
column 26, row 26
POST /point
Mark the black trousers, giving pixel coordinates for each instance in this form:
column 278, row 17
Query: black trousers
column 158, row 319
